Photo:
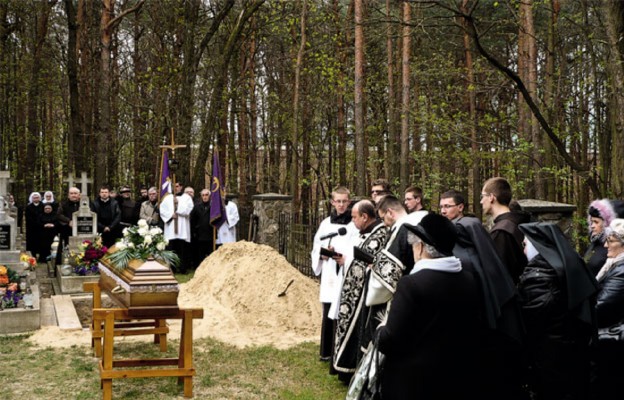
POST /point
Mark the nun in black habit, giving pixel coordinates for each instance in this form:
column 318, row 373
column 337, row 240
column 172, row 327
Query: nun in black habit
column 557, row 295
column 504, row 364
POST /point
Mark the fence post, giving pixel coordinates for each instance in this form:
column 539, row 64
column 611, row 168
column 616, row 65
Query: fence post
column 267, row 208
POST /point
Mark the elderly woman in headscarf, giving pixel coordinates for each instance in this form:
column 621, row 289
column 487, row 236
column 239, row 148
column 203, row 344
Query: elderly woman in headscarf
column 33, row 231
column 430, row 337
column 501, row 351
column 600, row 213
column 48, row 198
column 48, row 225
column 557, row 296
column 610, row 314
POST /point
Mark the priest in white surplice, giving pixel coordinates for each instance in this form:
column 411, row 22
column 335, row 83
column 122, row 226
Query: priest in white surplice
column 328, row 268
column 176, row 216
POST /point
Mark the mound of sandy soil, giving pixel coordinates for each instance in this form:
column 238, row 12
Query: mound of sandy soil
column 238, row 287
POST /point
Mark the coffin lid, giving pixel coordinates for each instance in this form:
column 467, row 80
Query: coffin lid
column 142, row 273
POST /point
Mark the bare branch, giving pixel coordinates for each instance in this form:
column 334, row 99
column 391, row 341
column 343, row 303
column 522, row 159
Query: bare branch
column 115, row 21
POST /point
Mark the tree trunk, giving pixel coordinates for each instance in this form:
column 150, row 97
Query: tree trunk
column 358, row 103
column 294, row 138
column 394, row 135
column 34, row 124
column 474, row 181
column 613, row 13
column 340, row 101
column 75, row 157
column 252, row 186
column 405, row 98
column 243, row 125
column 527, row 70
column 104, row 135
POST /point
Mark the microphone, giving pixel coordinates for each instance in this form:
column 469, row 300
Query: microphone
column 341, row 232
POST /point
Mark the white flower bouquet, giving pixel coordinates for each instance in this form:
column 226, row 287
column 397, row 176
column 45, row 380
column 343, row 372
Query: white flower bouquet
column 141, row 242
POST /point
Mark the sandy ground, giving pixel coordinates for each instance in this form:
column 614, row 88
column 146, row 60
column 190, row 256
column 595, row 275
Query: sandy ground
column 238, row 287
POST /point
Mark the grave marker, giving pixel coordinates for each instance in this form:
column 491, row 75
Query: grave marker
column 5, row 178
column 69, row 180
column 84, row 221
column 84, row 183
column 8, row 236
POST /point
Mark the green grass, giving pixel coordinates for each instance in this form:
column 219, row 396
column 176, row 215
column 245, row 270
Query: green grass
column 223, row 372
column 183, row 278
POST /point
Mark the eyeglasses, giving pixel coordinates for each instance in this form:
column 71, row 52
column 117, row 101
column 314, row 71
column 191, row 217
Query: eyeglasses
column 447, row 206
column 485, row 194
column 377, row 191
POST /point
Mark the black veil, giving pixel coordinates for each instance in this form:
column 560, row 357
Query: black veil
column 553, row 245
column 475, row 249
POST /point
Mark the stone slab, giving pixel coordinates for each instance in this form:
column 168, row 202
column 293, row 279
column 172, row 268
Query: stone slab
column 73, row 283
column 66, row 315
column 9, row 257
column 48, row 314
column 20, row 320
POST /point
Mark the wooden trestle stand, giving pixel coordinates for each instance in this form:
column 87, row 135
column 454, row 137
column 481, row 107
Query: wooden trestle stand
column 110, row 322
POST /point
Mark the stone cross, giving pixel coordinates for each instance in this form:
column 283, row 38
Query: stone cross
column 69, row 180
column 5, row 177
column 84, row 183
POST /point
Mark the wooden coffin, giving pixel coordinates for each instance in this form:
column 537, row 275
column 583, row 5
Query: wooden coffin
column 147, row 289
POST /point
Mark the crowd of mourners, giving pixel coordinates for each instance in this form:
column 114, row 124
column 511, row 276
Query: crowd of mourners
column 461, row 310
column 186, row 224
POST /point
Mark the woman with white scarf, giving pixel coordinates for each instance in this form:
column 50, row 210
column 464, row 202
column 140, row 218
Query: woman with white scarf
column 430, row 339
column 610, row 314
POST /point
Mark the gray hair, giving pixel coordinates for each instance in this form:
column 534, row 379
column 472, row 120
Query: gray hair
column 412, row 239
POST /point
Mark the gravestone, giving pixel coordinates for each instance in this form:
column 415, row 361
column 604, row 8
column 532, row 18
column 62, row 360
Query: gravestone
column 84, row 221
column 84, row 227
column 9, row 255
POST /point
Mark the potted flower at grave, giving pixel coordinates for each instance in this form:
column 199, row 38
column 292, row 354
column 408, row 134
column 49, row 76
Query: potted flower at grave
column 136, row 271
column 10, row 294
column 86, row 261
column 27, row 261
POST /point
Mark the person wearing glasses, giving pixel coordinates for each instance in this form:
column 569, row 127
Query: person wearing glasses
column 495, row 198
column 379, row 188
column 610, row 314
column 452, row 205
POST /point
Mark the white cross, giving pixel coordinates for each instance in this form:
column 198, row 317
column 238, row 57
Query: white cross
column 69, row 180
column 5, row 178
column 84, row 183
